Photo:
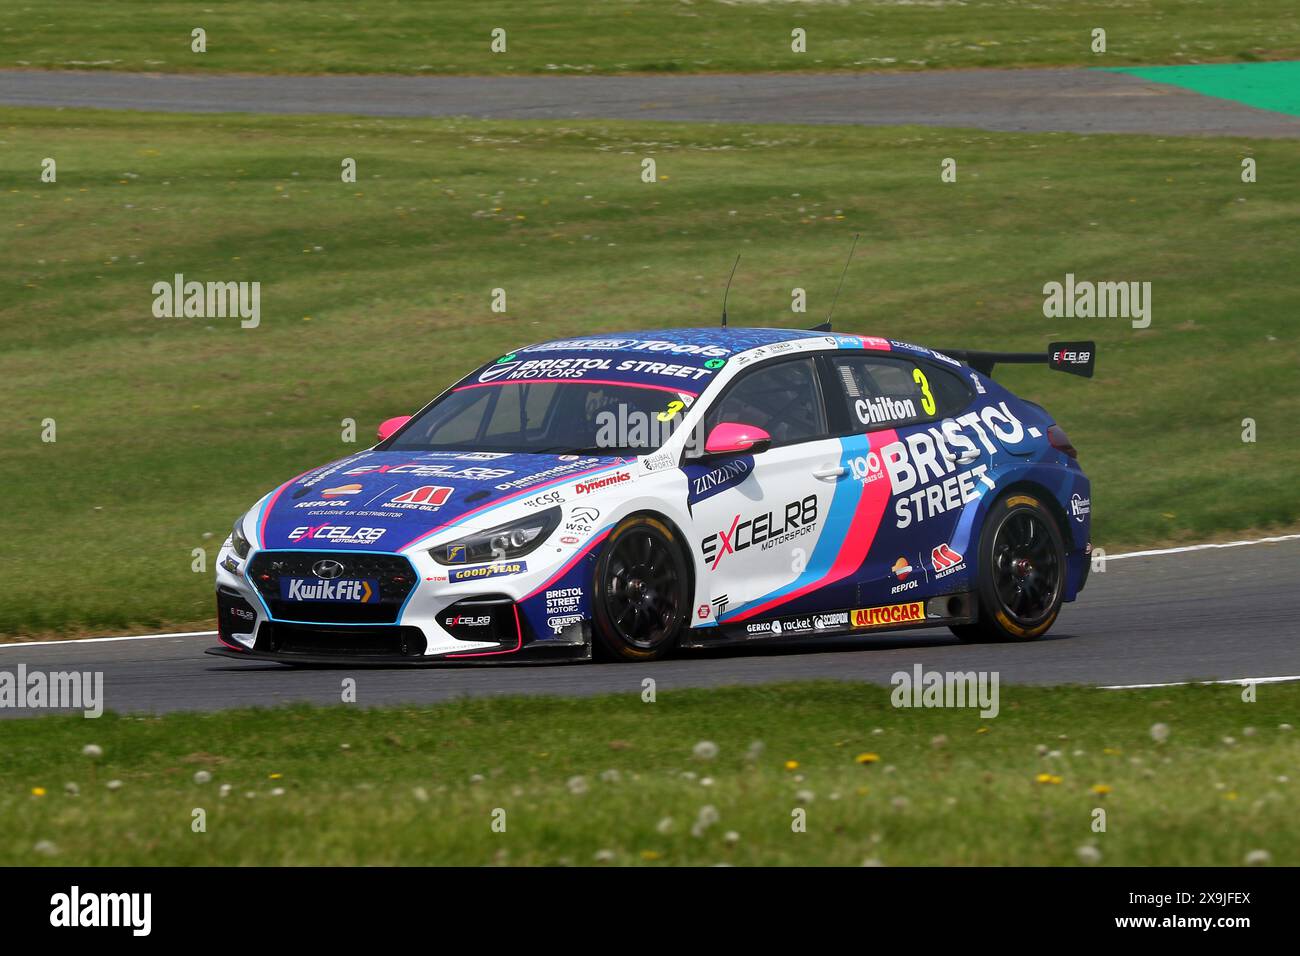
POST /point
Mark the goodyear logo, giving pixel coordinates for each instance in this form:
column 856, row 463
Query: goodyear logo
column 890, row 615
column 487, row 571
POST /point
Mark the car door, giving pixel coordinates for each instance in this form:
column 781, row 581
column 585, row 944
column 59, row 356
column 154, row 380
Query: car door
column 761, row 519
column 913, row 462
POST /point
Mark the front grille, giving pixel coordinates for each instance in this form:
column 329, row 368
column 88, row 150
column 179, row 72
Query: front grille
column 323, row 641
column 393, row 578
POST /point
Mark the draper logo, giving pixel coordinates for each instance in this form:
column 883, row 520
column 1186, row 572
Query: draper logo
column 76, row 909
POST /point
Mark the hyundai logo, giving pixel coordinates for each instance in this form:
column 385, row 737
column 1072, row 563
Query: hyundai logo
column 328, row 569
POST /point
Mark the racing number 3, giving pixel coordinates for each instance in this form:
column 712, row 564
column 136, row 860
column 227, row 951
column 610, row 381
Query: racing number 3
column 927, row 400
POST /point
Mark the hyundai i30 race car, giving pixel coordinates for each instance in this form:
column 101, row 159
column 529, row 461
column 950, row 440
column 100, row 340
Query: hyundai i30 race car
column 629, row 494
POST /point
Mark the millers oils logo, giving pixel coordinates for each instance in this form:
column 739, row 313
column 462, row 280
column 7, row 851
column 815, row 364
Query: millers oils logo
column 424, row 498
column 892, row 614
column 946, row 560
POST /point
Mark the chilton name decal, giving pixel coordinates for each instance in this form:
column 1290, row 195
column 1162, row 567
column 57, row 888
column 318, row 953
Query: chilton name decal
column 892, row 614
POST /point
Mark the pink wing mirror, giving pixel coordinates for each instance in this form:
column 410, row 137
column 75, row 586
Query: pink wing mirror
column 392, row 425
column 732, row 438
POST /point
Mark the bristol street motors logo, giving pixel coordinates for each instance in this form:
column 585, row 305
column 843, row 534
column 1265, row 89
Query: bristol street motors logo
column 903, row 571
column 424, row 498
column 889, row 616
column 946, row 561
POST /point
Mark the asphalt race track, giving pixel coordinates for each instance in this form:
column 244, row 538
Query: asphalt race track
column 1070, row 100
column 1200, row 615
column 1220, row 613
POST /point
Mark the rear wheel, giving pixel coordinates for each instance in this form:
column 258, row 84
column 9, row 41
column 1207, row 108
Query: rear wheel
column 640, row 591
column 1021, row 572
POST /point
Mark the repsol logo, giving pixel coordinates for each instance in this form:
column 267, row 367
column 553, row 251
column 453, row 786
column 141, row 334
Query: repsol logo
column 796, row 517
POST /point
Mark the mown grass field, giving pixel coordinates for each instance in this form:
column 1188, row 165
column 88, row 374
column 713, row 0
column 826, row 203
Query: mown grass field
column 375, row 295
column 618, row 36
column 578, row 778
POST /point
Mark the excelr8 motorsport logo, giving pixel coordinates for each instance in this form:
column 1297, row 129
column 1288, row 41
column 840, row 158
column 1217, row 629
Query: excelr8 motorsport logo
column 767, row 530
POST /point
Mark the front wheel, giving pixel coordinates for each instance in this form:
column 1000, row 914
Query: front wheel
column 1021, row 572
column 640, row 591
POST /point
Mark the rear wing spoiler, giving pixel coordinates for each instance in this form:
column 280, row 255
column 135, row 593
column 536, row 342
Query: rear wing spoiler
column 1077, row 358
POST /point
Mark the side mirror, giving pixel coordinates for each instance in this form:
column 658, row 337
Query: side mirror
column 392, row 425
column 732, row 438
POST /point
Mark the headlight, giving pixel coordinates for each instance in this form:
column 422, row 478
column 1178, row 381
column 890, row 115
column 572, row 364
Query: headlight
column 237, row 540
column 511, row 540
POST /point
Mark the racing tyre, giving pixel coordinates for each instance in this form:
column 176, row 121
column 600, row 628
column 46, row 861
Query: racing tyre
column 641, row 597
column 1021, row 572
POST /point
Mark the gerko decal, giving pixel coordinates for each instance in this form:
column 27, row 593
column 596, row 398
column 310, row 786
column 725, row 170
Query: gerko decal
column 486, row 571
column 705, row 481
column 889, row 615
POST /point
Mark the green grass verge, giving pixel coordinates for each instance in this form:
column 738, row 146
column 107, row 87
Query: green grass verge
column 577, row 777
column 376, row 295
column 617, row 36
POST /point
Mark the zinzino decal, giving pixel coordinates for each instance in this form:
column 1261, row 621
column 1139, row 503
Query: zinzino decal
column 767, row 530
column 891, row 614
column 923, row 468
column 707, row 482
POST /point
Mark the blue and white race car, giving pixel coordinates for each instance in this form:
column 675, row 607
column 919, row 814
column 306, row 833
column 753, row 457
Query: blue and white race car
column 629, row 494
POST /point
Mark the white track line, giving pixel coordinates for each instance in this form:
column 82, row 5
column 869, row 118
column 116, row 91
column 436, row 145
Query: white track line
column 103, row 640
column 1202, row 547
column 1109, row 557
column 1186, row 683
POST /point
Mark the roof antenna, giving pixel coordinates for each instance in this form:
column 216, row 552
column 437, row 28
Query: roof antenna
column 728, row 289
column 826, row 326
